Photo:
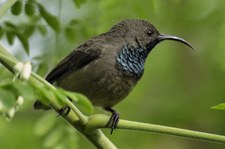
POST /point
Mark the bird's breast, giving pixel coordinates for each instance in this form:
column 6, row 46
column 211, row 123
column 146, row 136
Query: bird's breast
column 101, row 81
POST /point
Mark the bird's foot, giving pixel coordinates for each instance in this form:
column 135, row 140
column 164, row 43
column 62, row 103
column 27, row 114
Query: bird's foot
column 114, row 119
column 64, row 111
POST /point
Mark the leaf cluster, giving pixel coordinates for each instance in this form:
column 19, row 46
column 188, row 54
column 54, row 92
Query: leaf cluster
column 39, row 19
column 35, row 13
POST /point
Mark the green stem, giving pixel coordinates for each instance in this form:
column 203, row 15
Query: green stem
column 81, row 116
column 8, row 4
column 10, row 61
column 97, row 138
column 91, row 129
column 99, row 121
column 43, row 81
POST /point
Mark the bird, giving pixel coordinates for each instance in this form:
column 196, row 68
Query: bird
column 108, row 66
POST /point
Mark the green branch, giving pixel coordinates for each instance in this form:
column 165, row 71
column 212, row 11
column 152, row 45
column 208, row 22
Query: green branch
column 81, row 116
column 99, row 121
column 97, row 138
column 90, row 126
column 8, row 4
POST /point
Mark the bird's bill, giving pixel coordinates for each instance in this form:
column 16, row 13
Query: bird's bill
column 170, row 37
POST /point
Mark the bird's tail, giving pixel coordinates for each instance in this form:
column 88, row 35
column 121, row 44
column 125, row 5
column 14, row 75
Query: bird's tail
column 39, row 105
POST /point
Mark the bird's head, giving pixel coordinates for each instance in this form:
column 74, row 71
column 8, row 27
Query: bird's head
column 143, row 33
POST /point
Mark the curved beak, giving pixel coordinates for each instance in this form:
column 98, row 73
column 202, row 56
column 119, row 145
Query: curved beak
column 169, row 37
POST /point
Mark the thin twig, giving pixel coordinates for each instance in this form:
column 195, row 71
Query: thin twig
column 99, row 120
column 97, row 138
column 8, row 4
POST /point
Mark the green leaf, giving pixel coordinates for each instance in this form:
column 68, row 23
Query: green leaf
column 9, row 87
column 18, row 88
column 5, row 83
column 60, row 97
column 74, row 22
column 17, row 8
column 47, row 96
column 82, row 101
column 30, row 8
column 52, row 20
column 2, row 31
column 10, row 32
column 78, row 3
column 70, row 33
column 44, row 95
column 69, row 94
column 10, row 36
column 219, row 106
column 7, row 97
column 45, row 124
column 85, row 104
column 24, row 89
column 24, row 42
column 29, row 30
column 42, row 29
column 10, row 27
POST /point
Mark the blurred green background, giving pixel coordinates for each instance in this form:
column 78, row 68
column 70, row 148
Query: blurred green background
column 177, row 89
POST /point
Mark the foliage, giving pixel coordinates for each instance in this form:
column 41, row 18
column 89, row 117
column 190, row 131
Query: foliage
column 54, row 132
column 178, row 87
column 10, row 94
column 219, row 106
column 35, row 14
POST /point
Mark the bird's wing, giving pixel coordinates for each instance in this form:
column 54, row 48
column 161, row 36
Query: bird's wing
column 75, row 60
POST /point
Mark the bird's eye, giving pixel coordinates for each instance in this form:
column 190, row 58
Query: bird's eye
column 149, row 32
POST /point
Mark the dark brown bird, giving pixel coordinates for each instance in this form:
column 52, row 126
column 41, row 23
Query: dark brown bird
column 108, row 66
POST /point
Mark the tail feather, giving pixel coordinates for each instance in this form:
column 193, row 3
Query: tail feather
column 39, row 105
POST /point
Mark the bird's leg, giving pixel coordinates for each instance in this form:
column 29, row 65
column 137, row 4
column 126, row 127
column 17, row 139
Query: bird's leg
column 64, row 111
column 114, row 119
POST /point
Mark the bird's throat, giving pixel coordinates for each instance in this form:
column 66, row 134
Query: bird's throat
column 132, row 59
